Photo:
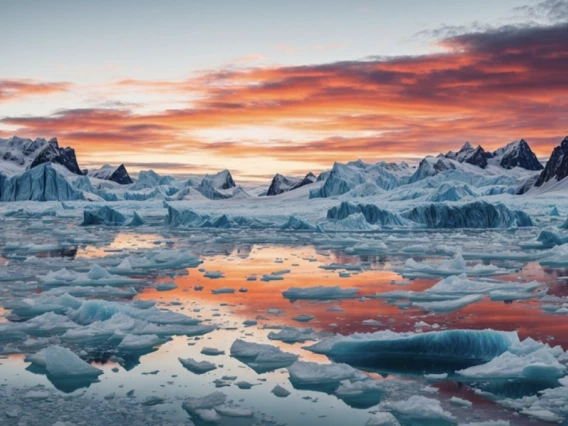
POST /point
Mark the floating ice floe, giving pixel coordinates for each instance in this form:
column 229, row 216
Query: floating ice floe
column 197, row 367
column 89, row 291
column 455, row 266
column 360, row 393
column 160, row 259
column 66, row 370
column 280, row 392
column 556, row 257
column 319, row 293
column 223, row 290
column 61, row 362
column 212, row 351
column 261, row 357
column 420, row 410
column 132, row 342
column 457, row 291
column 526, row 360
column 275, row 276
column 449, row 305
column 97, row 276
column 293, row 335
column 382, row 418
column 303, row 318
column 311, row 375
column 213, row 275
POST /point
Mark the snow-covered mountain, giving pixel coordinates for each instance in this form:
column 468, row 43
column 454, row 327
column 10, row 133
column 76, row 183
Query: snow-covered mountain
column 20, row 154
column 282, row 183
column 117, row 174
column 346, row 177
column 469, row 154
column 556, row 168
column 514, row 154
column 467, row 174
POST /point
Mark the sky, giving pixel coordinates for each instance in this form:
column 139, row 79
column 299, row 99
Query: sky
column 261, row 87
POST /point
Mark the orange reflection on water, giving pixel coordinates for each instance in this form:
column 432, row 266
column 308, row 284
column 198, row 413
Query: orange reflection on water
column 526, row 317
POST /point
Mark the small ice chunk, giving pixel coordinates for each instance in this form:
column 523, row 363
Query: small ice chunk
column 382, row 418
column 223, row 290
column 312, row 374
column 303, row 318
column 280, row 392
column 460, row 402
column 319, row 293
column 134, row 343
column 212, row 351
column 197, row 367
column 420, row 409
column 261, row 357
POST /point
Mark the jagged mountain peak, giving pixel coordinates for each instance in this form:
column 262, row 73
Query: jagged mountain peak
column 281, row 183
column 24, row 153
column 117, row 174
column 220, row 180
column 517, row 154
column 557, row 165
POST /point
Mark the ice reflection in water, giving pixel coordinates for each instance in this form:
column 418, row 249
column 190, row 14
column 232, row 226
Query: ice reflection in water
column 175, row 383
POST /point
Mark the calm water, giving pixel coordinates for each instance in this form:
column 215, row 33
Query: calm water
column 170, row 380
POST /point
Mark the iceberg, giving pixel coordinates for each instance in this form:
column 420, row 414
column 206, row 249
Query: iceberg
column 478, row 214
column 46, row 182
column 296, row 224
column 440, row 351
column 549, row 238
column 108, row 216
column 373, row 214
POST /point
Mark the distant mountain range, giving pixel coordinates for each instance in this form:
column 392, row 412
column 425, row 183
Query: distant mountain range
column 513, row 168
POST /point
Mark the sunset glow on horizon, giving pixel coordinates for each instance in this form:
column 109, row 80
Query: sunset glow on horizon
column 392, row 88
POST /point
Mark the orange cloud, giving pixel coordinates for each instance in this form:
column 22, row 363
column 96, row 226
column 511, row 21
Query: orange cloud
column 17, row 89
column 487, row 87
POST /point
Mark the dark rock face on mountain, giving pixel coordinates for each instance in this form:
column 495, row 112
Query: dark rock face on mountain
column 20, row 154
column 518, row 154
column 557, row 165
column 515, row 154
column 51, row 153
column 469, row 154
column 115, row 174
column 221, row 180
column 282, row 183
